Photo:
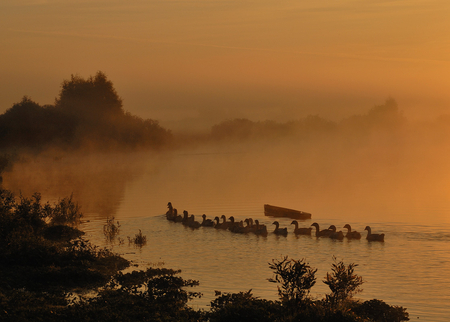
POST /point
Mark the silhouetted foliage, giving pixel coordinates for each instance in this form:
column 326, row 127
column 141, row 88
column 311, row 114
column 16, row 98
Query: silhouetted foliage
column 38, row 255
column 233, row 129
column 342, row 281
column 102, row 122
column 27, row 124
column 385, row 117
column 151, row 295
column 66, row 211
column 139, row 239
column 379, row 311
column 111, row 229
column 243, row 307
column 381, row 117
column 87, row 114
column 90, row 99
column 296, row 278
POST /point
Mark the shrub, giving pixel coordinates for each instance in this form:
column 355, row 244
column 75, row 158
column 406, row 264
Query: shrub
column 343, row 282
column 296, row 278
column 139, row 240
column 110, row 229
column 66, row 211
column 243, row 306
column 379, row 311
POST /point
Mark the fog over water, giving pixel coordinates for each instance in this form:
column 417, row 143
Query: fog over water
column 399, row 175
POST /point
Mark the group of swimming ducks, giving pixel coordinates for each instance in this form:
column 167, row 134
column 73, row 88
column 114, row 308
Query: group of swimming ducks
column 250, row 226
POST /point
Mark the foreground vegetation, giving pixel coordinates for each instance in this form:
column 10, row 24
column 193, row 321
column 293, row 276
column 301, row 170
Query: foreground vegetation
column 50, row 273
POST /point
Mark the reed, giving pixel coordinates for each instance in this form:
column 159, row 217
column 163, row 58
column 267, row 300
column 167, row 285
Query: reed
column 111, row 229
column 139, row 239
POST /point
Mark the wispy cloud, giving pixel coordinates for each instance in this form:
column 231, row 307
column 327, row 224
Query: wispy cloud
column 338, row 55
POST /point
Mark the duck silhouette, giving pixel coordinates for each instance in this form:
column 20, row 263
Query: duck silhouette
column 321, row 233
column 335, row 234
column 352, row 234
column 260, row 229
column 301, row 230
column 207, row 222
column 373, row 237
column 278, row 230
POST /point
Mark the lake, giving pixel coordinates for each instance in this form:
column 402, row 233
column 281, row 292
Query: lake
column 400, row 193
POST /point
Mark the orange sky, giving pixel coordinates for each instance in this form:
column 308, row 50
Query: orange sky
column 199, row 62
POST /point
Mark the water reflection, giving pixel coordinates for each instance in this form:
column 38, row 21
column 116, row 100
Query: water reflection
column 97, row 181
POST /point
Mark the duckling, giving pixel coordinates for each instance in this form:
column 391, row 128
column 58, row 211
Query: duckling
column 336, row 234
column 373, row 237
column 301, row 231
column 279, row 231
column 352, row 234
column 207, row 222
column 260, row 229
column 322, row 233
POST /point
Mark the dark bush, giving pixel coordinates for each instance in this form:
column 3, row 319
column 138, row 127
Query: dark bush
column 243, row 307
column 379, row 311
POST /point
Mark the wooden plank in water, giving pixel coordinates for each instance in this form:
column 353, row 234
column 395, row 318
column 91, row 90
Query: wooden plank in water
column 275, row 211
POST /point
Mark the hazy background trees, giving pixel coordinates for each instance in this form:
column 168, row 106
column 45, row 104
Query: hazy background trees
column 88, row 114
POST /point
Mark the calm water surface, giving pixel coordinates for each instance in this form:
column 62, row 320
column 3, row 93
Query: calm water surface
column 410, row 269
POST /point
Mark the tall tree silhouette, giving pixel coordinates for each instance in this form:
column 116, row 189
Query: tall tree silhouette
column 92, row 98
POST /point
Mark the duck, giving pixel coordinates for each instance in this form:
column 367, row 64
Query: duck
column 250, row 227
column 176, row 216
column 232, row 225
column 207, row 222
column 222, row 225
column 239, row 228
column 335, row 234
column 169, row 213
column 301, row 230
column 192, row 223
column 260, row 229
column 322, row 233
column 217, row 223
column 279, row 231
column 185, row 220
column 352, row 234
column 373, row 237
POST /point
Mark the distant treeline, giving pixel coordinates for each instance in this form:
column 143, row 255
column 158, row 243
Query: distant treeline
column 87, row 114
column 387, row 117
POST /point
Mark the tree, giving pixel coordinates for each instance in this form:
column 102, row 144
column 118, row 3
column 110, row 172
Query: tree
column 296, row 278
column 89, row 99
column 27, row 124
column 343, row 282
